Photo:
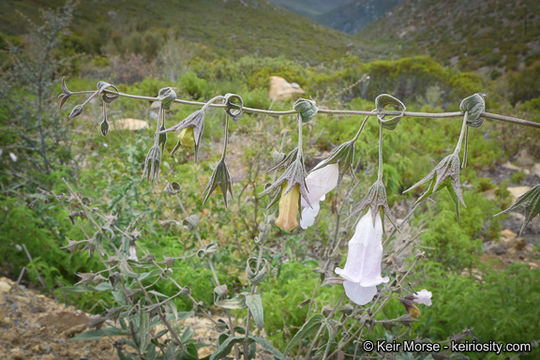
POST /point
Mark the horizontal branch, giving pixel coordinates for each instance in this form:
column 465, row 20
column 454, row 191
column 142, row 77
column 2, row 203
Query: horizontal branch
column 485, row 115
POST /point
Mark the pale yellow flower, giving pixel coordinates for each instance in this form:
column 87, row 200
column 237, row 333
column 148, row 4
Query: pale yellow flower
column 288, row 208
column 185, row 139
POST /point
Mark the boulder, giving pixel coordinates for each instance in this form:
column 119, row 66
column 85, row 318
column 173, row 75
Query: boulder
column 280, row 89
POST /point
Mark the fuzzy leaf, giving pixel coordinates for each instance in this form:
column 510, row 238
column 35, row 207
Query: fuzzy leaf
column 235, row 303
column 254, row 304
column 474, row 105
column 305, row 331
column 384, row 100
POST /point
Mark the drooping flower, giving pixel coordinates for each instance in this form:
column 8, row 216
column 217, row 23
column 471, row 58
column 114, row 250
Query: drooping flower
column 420, row 297
column 362, row 272
column 289, row 186
column 319, row 182
column 222, row 178
column 133, row 253
column 288, row 208
column 186, row 138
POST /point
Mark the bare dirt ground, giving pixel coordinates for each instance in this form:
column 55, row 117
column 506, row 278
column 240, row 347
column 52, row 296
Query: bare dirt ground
column 33, row 326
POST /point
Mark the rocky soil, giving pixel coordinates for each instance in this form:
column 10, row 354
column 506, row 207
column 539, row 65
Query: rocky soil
column 34, row 326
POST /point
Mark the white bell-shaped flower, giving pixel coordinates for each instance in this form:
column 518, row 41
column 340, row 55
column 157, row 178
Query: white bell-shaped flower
column 319, row 183
column 362, row 272
column 133, row 253
column 422, row 297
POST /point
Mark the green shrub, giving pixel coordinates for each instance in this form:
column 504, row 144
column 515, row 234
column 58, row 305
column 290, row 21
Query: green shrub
column 194, row 86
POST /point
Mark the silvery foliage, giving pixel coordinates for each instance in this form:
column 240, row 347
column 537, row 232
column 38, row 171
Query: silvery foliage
column 143, row 312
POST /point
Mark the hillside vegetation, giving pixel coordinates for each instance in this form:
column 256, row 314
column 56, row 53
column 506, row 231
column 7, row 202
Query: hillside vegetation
column 220, row 28
column 495, row 36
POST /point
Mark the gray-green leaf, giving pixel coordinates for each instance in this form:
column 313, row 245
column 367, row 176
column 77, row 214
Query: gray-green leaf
column 384, row 100
column 307, row 329
column 474, row 105
column 254, row 304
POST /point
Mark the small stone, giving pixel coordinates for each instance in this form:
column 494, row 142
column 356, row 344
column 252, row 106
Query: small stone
column 74, row 330
column 508, row 234
column 5, row 321
column 536, row 169
column 17, row 354
column 4, row 287
column 517, row 191
column 46, row 348
column 508, row 165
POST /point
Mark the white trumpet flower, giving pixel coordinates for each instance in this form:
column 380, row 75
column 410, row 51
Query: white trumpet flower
column 319, row 182
column 133, row 253
column 422, row 297
column 362, row 272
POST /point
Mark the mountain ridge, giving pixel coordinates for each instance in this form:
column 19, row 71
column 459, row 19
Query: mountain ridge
column 226, row 27
column 491, row 37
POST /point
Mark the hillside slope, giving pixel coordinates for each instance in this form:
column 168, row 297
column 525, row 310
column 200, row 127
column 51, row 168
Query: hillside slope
column 226, row 27
column 493, row 36
column 310, row 8
column 353, row 16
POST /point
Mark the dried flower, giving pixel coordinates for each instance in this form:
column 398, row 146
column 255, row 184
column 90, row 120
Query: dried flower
column 288, row 208
column 221, row 178
column 319, row 182
column 195, row 121
column 343, row 155
column 362, row 272
column 152, row 162
column 445, row 174
column 66, row 93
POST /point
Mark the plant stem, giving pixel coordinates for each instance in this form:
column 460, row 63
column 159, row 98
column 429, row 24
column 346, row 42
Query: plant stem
column 226, row 139
column 461, row 134
column 380, row 171
column 360, row 129
column 485, row 115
